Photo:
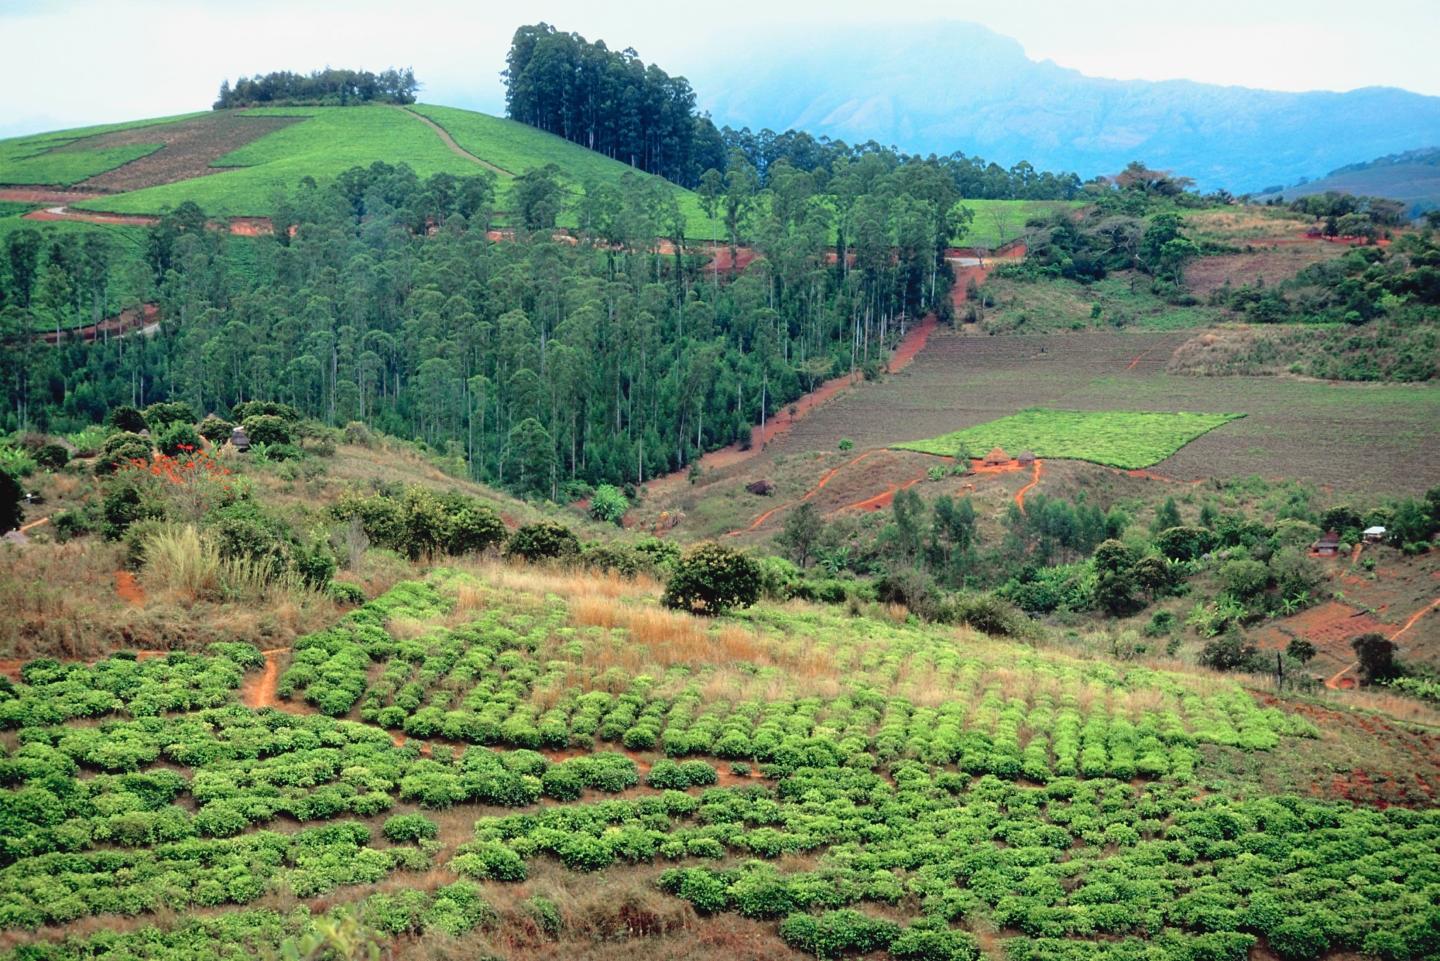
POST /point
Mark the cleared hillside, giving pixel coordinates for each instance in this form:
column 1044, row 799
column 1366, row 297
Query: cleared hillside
column 231, row 163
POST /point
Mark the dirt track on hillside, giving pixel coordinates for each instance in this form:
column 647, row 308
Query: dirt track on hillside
column 455, row 148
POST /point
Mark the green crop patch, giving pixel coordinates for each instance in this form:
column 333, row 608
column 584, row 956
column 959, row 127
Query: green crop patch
column 1114, row 438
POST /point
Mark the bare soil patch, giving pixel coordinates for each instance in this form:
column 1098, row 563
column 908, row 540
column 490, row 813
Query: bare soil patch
column 189, row 147
column 43, row 195
column 1271, row 261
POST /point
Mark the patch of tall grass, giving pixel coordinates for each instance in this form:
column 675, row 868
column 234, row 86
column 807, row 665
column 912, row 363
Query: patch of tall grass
column 184, row 563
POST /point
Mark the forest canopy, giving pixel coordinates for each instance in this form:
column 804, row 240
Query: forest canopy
column 321, row 88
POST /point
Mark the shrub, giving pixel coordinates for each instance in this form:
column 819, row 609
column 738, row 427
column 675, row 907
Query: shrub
column 543, row 540
column 546, row 915
column 608, row 504
column 342, row 592
column 1227, row 652
column 215, row 429
column 403, row 828
column 120, row 449
column 834, row 933
column 1184, row 543
column 266, row 429
column 711, row 579
column 266, row 408
column 1244, row 578
column 179, row 438
column 489, row 860
column 51, row 456
column 165, row 413
column 929, row 940
column 846, row 444
column 126, row 419
column 474, row 528
column 562, row 782
column 584, row 852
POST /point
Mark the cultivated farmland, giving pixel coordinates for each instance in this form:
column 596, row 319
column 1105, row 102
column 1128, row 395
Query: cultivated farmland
column 1128, row 439
column 1355, row 437
column 484, row 741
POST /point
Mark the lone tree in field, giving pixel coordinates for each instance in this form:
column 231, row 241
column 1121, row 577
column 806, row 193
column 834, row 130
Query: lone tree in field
column 711, row 579
column 1376, row 654
column 802, row 532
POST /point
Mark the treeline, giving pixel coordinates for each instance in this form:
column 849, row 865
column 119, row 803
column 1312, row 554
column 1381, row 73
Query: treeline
column 324, row 88
column 610, row 102
column 615, row 104
column 380, row 299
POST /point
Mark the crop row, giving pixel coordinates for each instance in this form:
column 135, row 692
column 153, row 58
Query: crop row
column 1073, row 859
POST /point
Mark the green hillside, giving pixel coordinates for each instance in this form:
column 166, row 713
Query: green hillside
column 324, row 142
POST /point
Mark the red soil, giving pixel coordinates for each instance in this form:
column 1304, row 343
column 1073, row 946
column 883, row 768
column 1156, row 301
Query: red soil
column 1020, row 494
column 882, row 500
column 828, row 476
column 123, row 323
column 27, row 528
column 129, row 589
column 239, row 226
column 43, row 195
column 965, row 272
column 260, row 691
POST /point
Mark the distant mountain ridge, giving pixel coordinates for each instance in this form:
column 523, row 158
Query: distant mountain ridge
column 950, row 86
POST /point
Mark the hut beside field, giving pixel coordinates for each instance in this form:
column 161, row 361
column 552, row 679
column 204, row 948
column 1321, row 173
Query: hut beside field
column 996, row 457
column 1327, row 546
column 239, row 440
column 1026, row 458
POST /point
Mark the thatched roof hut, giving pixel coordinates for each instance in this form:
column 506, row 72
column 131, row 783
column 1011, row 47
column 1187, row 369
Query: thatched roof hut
column 996, row 457
column 1328, row 545
column 1026, row 458
column 240, row 440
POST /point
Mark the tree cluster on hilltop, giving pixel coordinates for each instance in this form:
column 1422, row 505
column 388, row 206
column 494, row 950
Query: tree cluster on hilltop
column 615, row 104
column 325, row 88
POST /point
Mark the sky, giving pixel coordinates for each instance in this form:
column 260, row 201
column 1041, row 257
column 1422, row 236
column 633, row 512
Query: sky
column 68, row 63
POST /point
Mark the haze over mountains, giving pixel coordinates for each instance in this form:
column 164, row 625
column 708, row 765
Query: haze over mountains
column 951, row 86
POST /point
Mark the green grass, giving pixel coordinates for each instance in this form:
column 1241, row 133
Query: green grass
column 517, row 148
column 1121, row 301
column 326, row 144
column 998, row 222
column 1126, row 439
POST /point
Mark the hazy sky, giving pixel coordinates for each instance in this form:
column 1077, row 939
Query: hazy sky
column 65, row 63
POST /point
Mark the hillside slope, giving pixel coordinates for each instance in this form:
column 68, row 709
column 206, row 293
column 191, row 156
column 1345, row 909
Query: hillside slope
column 232, row 162
column 1412, row 177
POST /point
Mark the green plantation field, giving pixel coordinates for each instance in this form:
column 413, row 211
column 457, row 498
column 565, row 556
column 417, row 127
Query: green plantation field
column 495, row 744
column 328, row 142
column 1126, row 439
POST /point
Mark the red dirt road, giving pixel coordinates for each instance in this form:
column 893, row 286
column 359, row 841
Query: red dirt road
column 129, row 589
column 1020, row 494
column 826, row 478
column 125, row 322
column 239, row 226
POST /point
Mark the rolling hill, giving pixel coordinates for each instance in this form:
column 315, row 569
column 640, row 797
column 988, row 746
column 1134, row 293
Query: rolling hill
column 944, row 87
column 1412, row 177
column 232, row 162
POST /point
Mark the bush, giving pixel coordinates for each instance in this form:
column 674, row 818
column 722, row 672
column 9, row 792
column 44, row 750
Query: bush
column 1184, row 543
column 489, row 860
column 544, row 540
column 215, row 429
column 1244, row 578
column 711, row 579
column 928, row 940
column 265, row 408
column 834, row 933
column 608, row 504
column 986, row 613
column 1227, row 652
column 342, row 592
column 562, row 782
column 474, row 528
column 179, row 438
column 267, row 429
column 163, row 414
column 120, row 449
column 51, row 456
column 403, row 828
column 126, row 419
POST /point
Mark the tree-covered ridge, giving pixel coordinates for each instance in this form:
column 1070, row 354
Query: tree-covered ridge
column 382, row 299
column 329, row 87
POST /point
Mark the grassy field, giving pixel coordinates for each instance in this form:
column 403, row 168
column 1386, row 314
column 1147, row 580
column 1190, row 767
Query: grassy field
column 1053, row 304
column 1114, row 438
column 328, row 142
column 997, row 222
column 517, row 148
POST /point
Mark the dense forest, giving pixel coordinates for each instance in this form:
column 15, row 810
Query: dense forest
column 613, row 103
column 535, row 360
column 326, row 88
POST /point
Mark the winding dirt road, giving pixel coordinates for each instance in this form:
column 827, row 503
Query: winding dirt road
column 455, row 148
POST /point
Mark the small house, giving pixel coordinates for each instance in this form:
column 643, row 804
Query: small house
column 1026, row 458
column 1327, row 546
column 1373, row 535
column 996, row 457
column 239, row 440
